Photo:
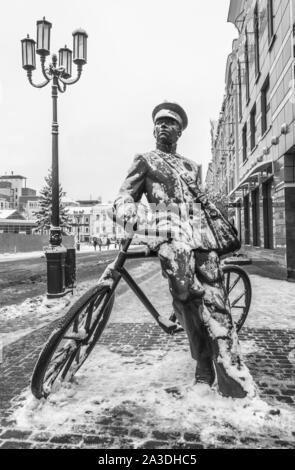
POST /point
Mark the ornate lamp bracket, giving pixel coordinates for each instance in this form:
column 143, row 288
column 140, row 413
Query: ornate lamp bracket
column 73, row 80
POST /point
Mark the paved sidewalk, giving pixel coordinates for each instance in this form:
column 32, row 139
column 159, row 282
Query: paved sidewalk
column 136, row 389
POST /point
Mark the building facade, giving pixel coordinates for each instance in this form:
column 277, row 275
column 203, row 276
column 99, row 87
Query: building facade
column 4, row 201
column 14, row 194
column 11, row 221
column 12, row 185
column 253, row 144
column 19, row 204
column 93, row 221
column 103, row 224
column 81, row 220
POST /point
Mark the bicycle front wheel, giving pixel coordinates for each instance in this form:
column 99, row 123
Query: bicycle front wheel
column 239, row 293
column 72, row 341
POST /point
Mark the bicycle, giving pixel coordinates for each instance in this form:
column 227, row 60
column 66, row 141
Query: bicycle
column 79, row 330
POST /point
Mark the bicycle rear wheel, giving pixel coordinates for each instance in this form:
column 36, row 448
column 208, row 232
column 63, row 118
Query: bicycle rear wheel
column 239, row 292
column 72, row 341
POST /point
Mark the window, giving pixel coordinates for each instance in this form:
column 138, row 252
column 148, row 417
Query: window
column 253, row 127
column 244, row 140
column 256, row 40
column 270, row 18
column 289, row 169
column 240, row 91
column 265, row 107
column 247, row 73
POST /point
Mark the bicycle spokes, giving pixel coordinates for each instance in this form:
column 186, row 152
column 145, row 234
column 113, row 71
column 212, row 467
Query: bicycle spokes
column 70, row 362
column 58, row 362
column 75, row 344
column 236, row 291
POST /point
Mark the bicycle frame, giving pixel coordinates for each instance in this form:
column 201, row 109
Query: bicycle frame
column 118, row 272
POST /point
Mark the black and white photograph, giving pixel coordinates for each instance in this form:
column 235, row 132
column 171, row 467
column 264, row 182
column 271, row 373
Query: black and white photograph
column 147, row 228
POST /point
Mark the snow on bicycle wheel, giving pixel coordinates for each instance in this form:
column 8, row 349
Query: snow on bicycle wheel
column 73, row 340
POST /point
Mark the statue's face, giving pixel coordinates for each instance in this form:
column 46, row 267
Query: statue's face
column 167, row 131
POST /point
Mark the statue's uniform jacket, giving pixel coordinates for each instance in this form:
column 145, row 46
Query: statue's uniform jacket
column 192, row 268
column 152, row 176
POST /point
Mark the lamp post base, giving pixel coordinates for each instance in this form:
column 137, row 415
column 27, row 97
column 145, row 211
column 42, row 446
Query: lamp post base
column 56, row 256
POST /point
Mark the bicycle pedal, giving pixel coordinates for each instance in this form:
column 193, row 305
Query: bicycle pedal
column 167, row 325
column 179, row 329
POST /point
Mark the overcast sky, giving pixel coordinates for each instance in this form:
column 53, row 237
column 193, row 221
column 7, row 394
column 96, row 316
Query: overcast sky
column 140, row 52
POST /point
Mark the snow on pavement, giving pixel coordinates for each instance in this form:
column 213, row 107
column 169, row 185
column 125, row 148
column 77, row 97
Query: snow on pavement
column 84, row 248
column 22, row 255
column 273, row 304
column 20, row 319
column 139, row 386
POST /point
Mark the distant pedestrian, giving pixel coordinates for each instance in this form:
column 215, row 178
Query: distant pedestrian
column 108, row 242
column 95, row 243
column 99, row 242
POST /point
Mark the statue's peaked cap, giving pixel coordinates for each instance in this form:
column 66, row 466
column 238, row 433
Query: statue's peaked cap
column 173, row 110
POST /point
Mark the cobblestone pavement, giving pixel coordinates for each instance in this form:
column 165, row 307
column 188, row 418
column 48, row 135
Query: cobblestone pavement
column 132, row 334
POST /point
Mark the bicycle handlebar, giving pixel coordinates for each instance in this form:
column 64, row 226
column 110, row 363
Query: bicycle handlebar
column 149, row 253
column 141, row 254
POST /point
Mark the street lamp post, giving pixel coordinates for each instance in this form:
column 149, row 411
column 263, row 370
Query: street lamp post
column 78, row 216
column 60, row 75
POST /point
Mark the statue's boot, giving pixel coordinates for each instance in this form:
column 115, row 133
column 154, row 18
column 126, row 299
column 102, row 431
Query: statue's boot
column 227, row 385
column 187, row 315
column 205, row 373
column 214, row 354
column 233, row 377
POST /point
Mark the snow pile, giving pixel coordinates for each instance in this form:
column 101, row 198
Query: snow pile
column 249, row 347
column 39, row 306
column 19, row 320
column 21, row 255
column 155, row 390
